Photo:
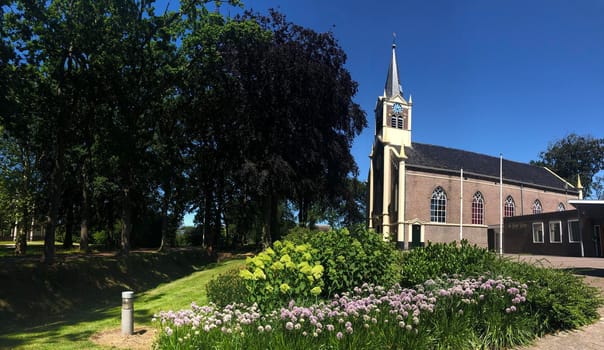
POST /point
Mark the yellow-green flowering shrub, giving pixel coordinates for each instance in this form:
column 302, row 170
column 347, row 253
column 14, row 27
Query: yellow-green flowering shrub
column 284, row 272
column 351, row 257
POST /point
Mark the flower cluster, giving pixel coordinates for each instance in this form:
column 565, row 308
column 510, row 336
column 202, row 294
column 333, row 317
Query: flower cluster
column 286, row 272
column 397, row 314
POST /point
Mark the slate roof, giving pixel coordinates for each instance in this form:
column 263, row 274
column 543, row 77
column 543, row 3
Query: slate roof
column 450, row 160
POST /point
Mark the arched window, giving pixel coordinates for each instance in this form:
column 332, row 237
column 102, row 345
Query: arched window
column 478, row 209
column 537, row 208
column 438, row 205
column 561, row 207
column 509, row 207
column 393, row 121
column 400, row 123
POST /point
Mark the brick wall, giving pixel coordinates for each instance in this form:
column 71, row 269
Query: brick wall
column 420, row 185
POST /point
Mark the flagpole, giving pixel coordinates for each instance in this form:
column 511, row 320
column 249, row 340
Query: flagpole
column 500, row 203
column 461, row 206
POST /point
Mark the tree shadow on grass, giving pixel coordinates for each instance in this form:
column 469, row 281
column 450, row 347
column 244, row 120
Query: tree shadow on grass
column 44, row 301
column 72, row 327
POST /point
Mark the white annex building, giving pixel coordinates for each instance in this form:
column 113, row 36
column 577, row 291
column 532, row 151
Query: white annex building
column 421, row 192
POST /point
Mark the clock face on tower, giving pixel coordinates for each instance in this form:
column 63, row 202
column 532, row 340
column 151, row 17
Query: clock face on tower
column 397, row 108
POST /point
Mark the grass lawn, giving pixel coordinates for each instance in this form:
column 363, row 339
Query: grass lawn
column 35, row 248
column 86, row 308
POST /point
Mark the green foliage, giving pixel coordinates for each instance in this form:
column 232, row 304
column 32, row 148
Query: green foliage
column 557, row 300
column 352, row 258
column 435, row 260
column 227, row 288
column 561, row 300
column 275, row 277
column 575, row 155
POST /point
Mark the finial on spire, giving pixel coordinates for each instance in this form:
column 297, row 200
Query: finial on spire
column 393, row 39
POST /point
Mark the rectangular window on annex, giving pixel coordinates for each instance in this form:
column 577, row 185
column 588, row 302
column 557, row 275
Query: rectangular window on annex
column 555, row 232
column 537, row 232
column 573, row 231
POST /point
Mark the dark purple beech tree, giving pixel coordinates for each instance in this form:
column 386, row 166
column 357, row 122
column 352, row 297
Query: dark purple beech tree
column 295, row 114
column 273, row 116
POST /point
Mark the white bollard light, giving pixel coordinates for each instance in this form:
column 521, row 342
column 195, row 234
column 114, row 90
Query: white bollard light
column 127, row 313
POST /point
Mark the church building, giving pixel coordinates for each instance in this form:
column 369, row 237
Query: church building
column 421, row 192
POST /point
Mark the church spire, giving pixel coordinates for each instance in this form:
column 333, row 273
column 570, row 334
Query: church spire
column 393, row 86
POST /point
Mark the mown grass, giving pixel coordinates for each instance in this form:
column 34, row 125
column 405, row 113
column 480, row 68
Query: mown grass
column 61, row 307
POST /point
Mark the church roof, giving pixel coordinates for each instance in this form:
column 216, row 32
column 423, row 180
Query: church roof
column 449, row 160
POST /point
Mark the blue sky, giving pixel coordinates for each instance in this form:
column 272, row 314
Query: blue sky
column 486, row 76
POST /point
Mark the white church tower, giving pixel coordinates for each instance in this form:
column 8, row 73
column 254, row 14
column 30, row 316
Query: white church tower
column 393, row 121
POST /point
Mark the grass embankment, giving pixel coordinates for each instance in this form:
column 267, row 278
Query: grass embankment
column 61, row 306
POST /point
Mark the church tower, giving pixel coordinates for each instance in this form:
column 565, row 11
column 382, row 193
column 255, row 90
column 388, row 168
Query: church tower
column 393, row 112
column 386, row 174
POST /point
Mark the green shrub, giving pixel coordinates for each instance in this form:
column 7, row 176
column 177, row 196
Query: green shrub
column 561, row 300
column 352, row 258
column 276, row 276
column 434, row 260
column 227, row 288
column 104, row 238
column 558, row 300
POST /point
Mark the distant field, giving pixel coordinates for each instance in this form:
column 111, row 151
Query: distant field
column 7, row 248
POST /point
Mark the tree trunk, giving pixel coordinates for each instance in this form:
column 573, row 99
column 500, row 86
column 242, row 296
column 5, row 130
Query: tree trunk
column 56, row 185
column 84, row 213
column 68, row 240
column 303, row 214
column 164, row 218
column 217, row 225
column 209, row 238
column 69, row 224
column 48, row 256
column 266, row 222
column 126, row 222
column 20, row 240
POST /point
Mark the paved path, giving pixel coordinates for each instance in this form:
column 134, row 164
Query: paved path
column 586, row 338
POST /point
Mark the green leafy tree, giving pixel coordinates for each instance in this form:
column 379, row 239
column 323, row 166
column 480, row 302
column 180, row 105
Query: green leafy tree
column 350, row 208
column 598, row 187
column 573, row 156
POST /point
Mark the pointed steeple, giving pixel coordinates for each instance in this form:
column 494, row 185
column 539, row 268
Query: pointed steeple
column 393, row 86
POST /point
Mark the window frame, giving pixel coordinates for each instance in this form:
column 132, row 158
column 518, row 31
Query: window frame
column 540, row 223
column 511, row 204
column 570, row 238
column 438, row 205
column 551, row 232
column 537, row 207
column 478, row 209
column 561, row 207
